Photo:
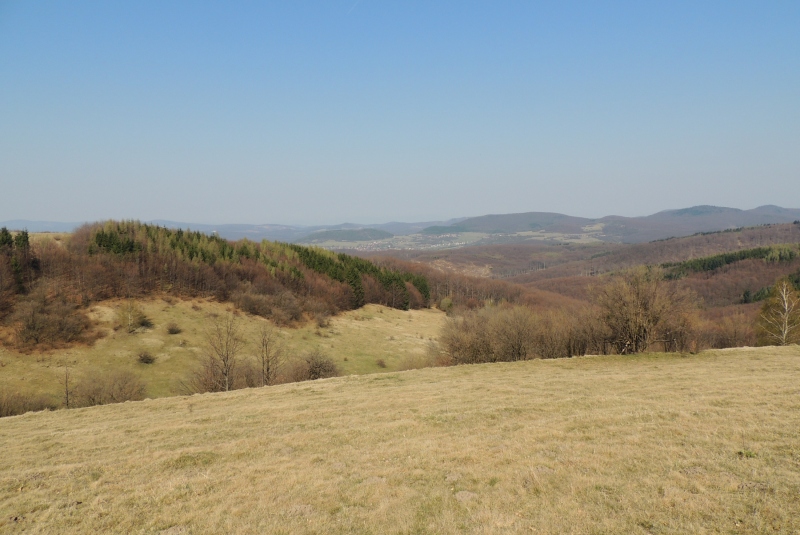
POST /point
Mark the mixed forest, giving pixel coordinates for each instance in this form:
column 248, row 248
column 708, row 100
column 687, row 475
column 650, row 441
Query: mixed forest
column 712, row 290
column 44, row 287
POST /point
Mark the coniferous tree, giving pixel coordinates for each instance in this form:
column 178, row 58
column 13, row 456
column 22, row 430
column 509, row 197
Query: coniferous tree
column 6, row 240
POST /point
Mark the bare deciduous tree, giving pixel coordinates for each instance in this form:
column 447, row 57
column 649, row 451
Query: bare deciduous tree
column 67, row 386
column 224, row 345
column 271, row 355
column 779, row 322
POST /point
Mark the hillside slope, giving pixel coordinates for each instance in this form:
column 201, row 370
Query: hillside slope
column 647, row 444
column 368, row 340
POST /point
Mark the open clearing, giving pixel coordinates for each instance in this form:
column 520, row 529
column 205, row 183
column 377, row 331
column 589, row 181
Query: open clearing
column 371, row 339
column 648, row 444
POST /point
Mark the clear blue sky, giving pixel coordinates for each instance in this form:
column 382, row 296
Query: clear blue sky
column 370, row 111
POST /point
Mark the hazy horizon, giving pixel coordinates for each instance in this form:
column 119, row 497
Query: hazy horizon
column 356, row 223
column 312, row 113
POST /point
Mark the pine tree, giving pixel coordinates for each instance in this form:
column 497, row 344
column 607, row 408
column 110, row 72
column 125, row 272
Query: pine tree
column 6, row 241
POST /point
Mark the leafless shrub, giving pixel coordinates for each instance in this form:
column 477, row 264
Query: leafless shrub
column 98, row 388
column 416, row 362
column 146, row 358
column 14, row 403
column 247, row 375
column 252, row 303
column 640, row 308
column 512, row 333
column 322, row 319
column 490, row 334
column 314, row 365
column 173, row 328
column 380, row 363
column 48, row 321
column 285, row 309
column 735, row 330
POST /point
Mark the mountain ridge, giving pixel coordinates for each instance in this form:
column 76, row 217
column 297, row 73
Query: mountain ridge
column 610, row 228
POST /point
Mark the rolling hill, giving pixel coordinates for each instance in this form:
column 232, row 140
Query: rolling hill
column 489, row 229
column 643, row 444
column 350, row 235
column 666, row 224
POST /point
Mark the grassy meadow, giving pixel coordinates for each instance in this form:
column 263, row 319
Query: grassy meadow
column 371, row 339
column 654, row 443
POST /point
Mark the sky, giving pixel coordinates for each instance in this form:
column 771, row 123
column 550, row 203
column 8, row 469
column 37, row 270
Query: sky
column 366, row 111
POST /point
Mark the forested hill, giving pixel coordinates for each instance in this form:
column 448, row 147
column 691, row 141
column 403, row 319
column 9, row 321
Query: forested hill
column 44, row 284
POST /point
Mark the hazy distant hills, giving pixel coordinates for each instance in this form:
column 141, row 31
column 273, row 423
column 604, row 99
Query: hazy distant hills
column 666, row 224
column 39, row 226
column 546, row 226
column 346, row 235
column 690, row 221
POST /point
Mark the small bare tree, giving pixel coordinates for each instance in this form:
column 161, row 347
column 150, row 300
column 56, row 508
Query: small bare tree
column 779, row 322
column 67, row 386
column 130, row 317
column 224, row 345
column 271, row 354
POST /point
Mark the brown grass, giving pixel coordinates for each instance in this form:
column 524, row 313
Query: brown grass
column 355, row 340
column 645, row 444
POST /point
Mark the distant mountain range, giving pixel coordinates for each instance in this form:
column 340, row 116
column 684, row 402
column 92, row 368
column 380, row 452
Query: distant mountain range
column 491, row 228
column 666, row 224
column 286, row 233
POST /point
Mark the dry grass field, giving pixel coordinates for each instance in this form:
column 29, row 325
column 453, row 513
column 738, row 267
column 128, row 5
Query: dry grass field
column 356, row 340
column 658, row 443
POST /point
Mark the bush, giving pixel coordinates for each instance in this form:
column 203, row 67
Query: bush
column 322, row 319
column 416, row 362
column 380, row 363
column 173, row 328
column 256, row 304
column 43, row 321
column 640, row 308
column 14, row 403
column 506, row 334
column 313, row 366
column 100, row 389
column 146, row 358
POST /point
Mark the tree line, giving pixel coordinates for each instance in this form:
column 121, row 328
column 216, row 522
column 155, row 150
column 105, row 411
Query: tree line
column 782, row 253
column 635, row 311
